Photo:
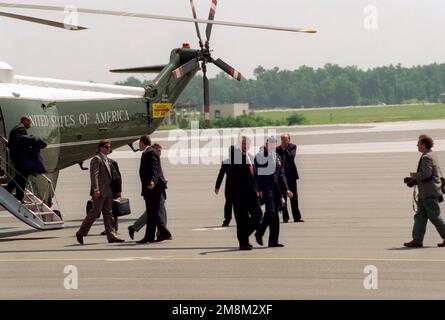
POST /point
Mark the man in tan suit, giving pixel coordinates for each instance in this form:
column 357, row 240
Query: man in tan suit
column 427, row 178
column 100, row 175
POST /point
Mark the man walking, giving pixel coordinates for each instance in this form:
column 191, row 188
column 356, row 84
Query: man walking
column 244, row 194
column 271, row 180
column 428, row 181
column 287, row 153
column 142, row 220
column 102, row 194
column 153, row 186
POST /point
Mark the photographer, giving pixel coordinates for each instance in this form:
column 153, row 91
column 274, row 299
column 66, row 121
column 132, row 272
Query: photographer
column 428, row 180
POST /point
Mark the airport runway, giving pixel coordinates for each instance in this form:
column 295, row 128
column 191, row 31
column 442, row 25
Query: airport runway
column 357, row 210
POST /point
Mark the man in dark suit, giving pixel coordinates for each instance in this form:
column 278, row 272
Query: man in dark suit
column 244, row 194
column 224, row 170
column 271, row 180
column 102, row 194
column 153, row 186
column 24, row 152
column 287, row 153
column 142, row 220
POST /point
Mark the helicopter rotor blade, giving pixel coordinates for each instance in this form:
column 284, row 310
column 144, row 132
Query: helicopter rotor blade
column 42, row 21
column 196, row 24
column 149, row 69
column 228, row 69
column 158, row 17
column 206, row 99
column 211, row 18
column 185, row 68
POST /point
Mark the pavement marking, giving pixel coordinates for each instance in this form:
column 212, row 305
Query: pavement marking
column 127, row 259
column 211, row 228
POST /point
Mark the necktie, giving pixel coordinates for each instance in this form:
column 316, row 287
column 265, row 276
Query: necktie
column 249, row 163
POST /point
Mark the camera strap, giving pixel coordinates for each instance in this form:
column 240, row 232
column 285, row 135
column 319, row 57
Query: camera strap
column 415, row 199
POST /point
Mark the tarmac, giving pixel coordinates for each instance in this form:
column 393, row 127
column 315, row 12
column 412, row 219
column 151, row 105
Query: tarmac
column 357, row 214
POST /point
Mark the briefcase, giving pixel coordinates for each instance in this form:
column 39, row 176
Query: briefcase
column 121, row 207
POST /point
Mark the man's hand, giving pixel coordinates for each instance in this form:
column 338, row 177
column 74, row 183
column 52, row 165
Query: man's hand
column 216, row 190
column 117, row 195
column 96, row 195
column 151, row 185
column 290, row 194
column 260, row 194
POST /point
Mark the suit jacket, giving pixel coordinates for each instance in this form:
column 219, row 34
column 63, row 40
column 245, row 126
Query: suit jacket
column 428, row 176
column 100, row 177
column 272, row 181
column 224, row 170
column 15, row 142
column 243, row 173
column 116, row 178
column 288, row 158
column 149, row 170
column 30, row 159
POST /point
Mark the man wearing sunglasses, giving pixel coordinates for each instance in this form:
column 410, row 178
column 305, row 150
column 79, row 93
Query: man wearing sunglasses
column 101, row 192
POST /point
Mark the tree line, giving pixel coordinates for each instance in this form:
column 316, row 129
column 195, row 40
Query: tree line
column 330, row 86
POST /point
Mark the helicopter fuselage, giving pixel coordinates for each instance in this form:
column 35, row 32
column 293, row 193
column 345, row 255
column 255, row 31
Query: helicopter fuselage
column 72, row 117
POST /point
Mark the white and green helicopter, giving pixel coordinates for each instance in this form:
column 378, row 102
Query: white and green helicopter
column 71, row 116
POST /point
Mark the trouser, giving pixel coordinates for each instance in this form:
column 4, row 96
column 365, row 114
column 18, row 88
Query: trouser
column 104, row 205
column 296, row 214
column 228, row 208
column 142, row 220
column 248, row 215
column 427, row 209
column 18, row 183
column 153, row 204
column 270, row 219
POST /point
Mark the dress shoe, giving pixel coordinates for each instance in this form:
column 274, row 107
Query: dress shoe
column 144, row 241
column 225, row 224
column 276, row 245
column 103, row 233
column 116, row 240
column 301, row 220
column 162, row 238
column 286, row 221
column 442, row 244
column 258, row 238
column 131, row 232
column 79, row 238
column 245, row 247
column 413, row 244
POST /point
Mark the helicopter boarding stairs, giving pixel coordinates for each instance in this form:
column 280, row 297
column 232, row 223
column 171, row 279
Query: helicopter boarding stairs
column 32, row 211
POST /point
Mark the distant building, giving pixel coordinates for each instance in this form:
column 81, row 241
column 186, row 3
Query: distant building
column 229, row 110
column 183, row 111
column 442, row 98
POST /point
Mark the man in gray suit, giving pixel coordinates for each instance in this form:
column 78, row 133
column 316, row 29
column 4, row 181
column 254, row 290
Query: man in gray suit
column 427, row 178
column 101, row 192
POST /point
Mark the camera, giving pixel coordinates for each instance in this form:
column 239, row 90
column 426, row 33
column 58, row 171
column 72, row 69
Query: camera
column 410, row 182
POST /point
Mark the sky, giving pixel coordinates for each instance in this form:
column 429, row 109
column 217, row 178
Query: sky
column 363, row 33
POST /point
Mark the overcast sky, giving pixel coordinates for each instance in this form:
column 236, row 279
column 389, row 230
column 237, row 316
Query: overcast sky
column 364, row 33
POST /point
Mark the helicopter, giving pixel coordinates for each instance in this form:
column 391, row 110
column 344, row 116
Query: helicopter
column 73, row 116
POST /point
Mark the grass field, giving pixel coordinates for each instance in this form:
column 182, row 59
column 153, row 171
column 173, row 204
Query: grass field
column 364, row 114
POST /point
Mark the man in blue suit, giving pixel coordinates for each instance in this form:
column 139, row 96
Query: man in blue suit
column 270, row 180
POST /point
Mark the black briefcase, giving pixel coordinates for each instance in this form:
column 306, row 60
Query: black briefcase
column 121, row 207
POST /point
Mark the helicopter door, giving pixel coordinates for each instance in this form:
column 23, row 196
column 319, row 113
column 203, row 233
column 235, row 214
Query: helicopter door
column 2, row 145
